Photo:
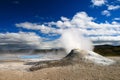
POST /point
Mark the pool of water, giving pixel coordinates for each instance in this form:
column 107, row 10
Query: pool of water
column 32, row 57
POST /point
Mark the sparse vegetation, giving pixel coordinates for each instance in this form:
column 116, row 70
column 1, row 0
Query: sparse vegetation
column 108, row 50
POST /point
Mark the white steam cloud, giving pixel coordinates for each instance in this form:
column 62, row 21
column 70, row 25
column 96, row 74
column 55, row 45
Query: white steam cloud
column 73, row 39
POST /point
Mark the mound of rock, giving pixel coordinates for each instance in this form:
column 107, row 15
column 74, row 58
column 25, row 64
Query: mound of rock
column 75, row 56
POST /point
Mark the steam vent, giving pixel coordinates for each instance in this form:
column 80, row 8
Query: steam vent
column 74, row 57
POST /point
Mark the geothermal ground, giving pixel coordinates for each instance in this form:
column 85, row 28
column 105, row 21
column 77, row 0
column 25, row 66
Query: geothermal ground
column 81, row 71
column 19, row 70
column 70, row 67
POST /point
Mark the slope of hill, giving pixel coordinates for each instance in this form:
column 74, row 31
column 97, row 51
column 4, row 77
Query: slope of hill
column 107, row 50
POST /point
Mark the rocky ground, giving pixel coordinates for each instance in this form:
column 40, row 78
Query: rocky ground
column 71, row 67
column 81, row 71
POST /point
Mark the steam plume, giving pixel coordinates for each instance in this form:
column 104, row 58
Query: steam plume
column 74, row 39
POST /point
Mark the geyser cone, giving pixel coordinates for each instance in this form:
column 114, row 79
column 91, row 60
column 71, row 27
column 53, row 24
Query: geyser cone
column 72, row 39
column 74, row 57
column 88, row 56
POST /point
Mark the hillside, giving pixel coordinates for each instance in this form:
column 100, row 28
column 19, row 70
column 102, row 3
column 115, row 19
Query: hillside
column 107, row 50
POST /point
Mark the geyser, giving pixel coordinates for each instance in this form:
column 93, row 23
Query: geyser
column 88, row 56
column 73, row 39
column 79, row 49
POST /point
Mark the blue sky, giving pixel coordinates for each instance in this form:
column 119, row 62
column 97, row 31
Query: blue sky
column 36, row 23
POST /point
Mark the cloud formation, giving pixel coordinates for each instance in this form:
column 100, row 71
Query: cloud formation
column 112, row 7
column 98, row 2
column 116, row 19
column 106, row 13
column 109, row 9
column 81, row 21
column 22, row 39
column 25, row 40
column 85, row 24
column 34, row 26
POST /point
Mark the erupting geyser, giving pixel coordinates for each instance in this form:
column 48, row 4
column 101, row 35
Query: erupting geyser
column 73, row 39
column 89, row 56
column 79, row 49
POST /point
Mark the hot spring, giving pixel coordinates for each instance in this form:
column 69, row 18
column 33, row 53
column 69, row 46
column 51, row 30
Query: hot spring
column 32, row 55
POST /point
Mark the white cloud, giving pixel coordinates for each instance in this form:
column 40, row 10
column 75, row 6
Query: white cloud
column 80, row 21
column 106, row 13
column 25, row 40
column 108, row 38
column 98, row 2
column 112, row 7
column 34, row 26
column 64, row 19
column 116, row 19
column 102, row 31
column 84, row 23
column 21, row 39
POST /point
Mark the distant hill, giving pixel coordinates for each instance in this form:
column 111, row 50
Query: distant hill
column 107, row 50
